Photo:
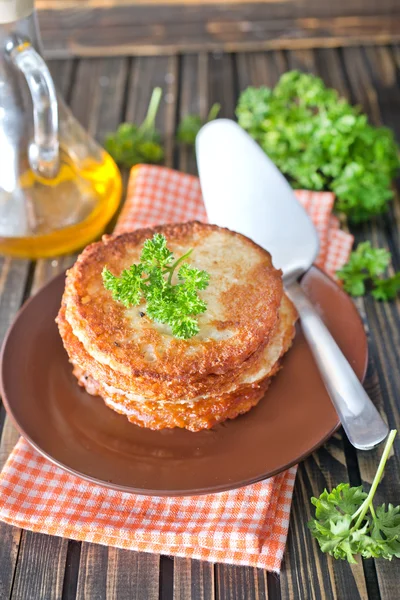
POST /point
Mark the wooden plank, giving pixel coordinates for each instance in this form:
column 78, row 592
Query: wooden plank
column 260, row 68
column 13, row 277
column 106, row 92
column 9, row 547
column 62, row 71
column 241, row 582
column 115, row 574
column 231, row 581
column 221, row 83
column 47, row 269
column 337, row 78
column 193, row 101
column 41, row 558
column 331, row 66
column 381, row 233
column 384, row 65
column 92, row 576
column 39, row 572
column 193, row 580
column 146, row 74
column 97, row 97
column 132, row 575
column 171, row 28
column 371, row 79
column 70, row 582
column 9, row 438
column 336, row 579
column 306, row 571
column 40, row 568
column 304, row 61
column 166, row 578
column 278, row 7
column 13, row 281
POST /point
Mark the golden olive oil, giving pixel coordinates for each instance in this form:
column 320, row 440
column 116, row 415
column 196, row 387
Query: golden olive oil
column 63, row 214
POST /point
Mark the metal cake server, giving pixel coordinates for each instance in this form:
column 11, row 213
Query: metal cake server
column 244, row 191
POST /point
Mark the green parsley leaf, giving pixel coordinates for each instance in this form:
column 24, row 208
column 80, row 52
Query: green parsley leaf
column 155, row 253
column 321, row 142
column 190, row 125
column 346, row 523
column 188, row 129
column 386, row 289
column 132, row 144
column 364, row 266
column 193, row 278
column 353, row 281
column 128, row 288
column 343, row 499
column 386, row 529
column 373, row 260
column 176, row 305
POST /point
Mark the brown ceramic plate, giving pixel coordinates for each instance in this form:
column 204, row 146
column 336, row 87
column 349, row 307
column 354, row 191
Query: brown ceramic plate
column 80, row 434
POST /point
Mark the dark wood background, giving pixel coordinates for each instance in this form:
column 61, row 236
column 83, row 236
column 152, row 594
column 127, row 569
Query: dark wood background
column 126, row 27
column 102, row 92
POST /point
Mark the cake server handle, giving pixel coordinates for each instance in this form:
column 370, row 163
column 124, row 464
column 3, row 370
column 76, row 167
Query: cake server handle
column 361, row 421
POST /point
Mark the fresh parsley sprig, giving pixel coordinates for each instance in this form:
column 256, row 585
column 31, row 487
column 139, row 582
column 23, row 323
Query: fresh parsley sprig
column 190, row 125
column 131, row 145
column 364, row 268
column 386, row 289
column 346, row 522
column 321, row 142
column 151, row 280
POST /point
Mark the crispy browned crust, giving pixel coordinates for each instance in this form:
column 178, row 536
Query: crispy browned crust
column 251, row 304
column 161, row 389
column 196, row 416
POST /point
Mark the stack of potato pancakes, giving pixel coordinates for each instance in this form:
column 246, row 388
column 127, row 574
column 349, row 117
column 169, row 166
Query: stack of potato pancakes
column 142, row 371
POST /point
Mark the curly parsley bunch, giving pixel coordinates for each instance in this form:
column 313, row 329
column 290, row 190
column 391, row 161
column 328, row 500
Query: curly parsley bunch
column 132, row 144
column 321, row 142
column 346, row 522
column 151, row 280
column 363, row 271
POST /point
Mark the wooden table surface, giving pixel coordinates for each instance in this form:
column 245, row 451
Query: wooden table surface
column 102, row 92
column 122, row 27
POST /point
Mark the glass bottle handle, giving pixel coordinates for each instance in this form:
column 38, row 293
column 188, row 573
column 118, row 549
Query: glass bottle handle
column 44, row 149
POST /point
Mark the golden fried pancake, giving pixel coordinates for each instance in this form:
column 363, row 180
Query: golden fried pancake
column 194, row 416
column 142, row 371
column 243, row 299
column 252, row 370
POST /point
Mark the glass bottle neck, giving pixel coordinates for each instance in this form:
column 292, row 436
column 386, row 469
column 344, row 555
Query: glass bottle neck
column 25, row 27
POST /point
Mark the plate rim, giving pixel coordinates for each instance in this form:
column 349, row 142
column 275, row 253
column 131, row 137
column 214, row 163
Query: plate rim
column 161, row 493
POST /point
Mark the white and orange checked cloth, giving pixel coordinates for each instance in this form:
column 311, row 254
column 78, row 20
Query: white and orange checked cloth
column 246, row 526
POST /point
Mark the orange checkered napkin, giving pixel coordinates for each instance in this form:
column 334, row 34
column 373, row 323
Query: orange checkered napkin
column 247, row 526
column 159, row 195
